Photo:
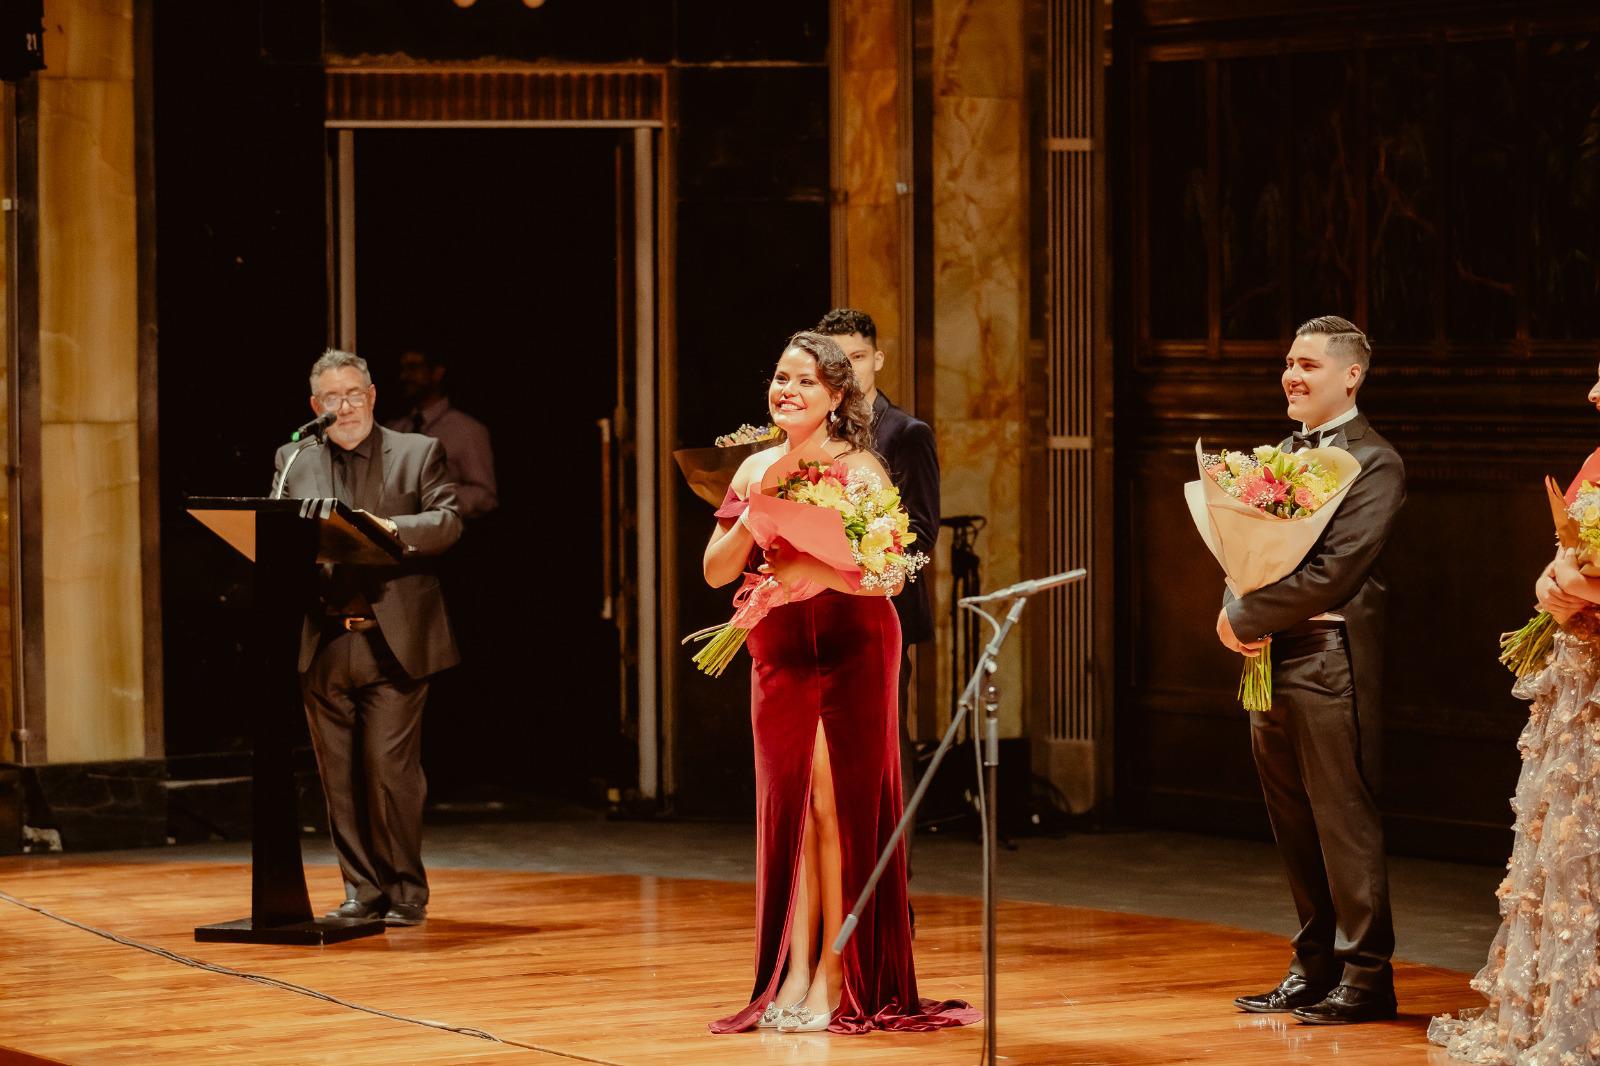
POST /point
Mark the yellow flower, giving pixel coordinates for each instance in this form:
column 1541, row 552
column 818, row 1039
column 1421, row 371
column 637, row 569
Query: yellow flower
column 876, row 541
column 825, row 494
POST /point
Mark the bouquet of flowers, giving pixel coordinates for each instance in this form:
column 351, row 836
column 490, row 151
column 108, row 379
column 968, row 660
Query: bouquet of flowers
column 848, row 519
column 1577, row 522
column 1259, row 513
column 748, row 434
column 710, row 470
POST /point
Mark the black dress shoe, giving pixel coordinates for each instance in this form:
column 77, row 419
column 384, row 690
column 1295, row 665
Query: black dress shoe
column 355, row 909
column 1293, row 991
column 1348, row 1005
column 406, row 914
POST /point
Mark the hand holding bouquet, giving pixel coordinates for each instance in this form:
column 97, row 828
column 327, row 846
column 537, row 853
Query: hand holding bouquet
column 1578, row 530
column 1260, row 513
column 847, row 519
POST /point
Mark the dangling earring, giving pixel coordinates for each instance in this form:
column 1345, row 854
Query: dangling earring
column 833, row 415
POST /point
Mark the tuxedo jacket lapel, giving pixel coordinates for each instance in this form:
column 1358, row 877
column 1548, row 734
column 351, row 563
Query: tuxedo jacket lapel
column 1352, row 430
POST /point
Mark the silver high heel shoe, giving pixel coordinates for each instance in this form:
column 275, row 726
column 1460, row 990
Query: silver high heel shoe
column 772, row 1016
column 803, row 1019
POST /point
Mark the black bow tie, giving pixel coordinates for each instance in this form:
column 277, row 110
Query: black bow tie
column 1304, row 440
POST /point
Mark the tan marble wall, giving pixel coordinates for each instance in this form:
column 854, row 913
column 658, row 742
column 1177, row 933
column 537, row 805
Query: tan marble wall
column 94, row 674
column 873, row 239
column 980, row 293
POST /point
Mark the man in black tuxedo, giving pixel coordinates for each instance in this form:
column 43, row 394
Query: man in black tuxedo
column 907, row 448
column 370, row 643
column 1317, row 750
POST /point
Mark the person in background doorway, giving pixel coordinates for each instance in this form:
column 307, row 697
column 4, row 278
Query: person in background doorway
column 469, row 459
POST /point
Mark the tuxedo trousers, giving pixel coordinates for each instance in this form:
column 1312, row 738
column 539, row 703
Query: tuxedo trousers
column 1324, row 816
column 365, row 716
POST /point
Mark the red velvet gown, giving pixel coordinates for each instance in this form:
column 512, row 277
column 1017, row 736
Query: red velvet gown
column 834, row 658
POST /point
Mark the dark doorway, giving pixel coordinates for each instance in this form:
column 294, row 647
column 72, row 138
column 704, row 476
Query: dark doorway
column 497, row 250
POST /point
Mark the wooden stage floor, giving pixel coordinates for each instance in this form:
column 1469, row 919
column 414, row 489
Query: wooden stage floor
column 616, row 969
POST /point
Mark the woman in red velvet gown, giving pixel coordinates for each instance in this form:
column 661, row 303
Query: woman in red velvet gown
column 823, row 709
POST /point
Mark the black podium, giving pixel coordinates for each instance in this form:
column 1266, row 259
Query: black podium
column 285, row 539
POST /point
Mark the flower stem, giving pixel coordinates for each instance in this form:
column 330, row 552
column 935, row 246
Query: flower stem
column 1526, row 650
column 720, row 649
column 1255, row 681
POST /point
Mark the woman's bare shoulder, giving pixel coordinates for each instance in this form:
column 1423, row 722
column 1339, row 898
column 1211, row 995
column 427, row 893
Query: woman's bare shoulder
column 753, row 469
column 864, row 461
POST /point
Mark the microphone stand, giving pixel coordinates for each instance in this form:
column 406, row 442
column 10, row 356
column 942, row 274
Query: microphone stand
column 988, row 796
column 283, row 478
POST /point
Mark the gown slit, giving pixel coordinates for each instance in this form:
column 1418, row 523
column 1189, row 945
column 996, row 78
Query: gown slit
column 833, row 660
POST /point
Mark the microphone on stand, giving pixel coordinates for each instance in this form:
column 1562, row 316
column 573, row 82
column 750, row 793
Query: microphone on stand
column 1024, row 589
column 307, row 436
column 316, row 427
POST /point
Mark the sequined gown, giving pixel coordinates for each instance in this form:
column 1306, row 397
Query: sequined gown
column 1542, row 979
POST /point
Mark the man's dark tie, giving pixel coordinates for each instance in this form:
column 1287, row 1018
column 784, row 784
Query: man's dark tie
column 1304, row 440
column 344, row 476
column 416, row 421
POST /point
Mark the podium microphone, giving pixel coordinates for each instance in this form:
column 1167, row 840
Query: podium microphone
column 307, row 436
column 1023, row 589
column 316, row 427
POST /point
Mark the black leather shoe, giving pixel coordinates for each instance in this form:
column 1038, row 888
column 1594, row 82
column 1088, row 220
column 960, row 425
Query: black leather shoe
column 1348, row 1005
column 1293, row 991
column 355, row 909
column 406, row 914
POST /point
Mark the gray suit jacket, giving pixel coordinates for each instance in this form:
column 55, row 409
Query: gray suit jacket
column 1342, row 573
column 418, row 498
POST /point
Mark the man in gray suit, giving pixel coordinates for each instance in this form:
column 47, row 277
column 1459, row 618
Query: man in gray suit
column 1317, row 751
column 371, row 641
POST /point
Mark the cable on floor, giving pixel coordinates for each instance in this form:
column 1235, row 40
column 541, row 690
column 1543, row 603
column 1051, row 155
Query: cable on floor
column 290, row 986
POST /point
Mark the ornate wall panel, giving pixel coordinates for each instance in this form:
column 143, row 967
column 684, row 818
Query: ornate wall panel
column 1432, row 174
column 480, row 96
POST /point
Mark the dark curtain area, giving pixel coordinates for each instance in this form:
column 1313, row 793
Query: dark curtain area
column 241, row 158
column 495, row 251
column 241, row 314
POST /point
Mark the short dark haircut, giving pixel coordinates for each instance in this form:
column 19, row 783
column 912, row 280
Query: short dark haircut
column 1344, row 339
column 431, row 357
column 843, row 321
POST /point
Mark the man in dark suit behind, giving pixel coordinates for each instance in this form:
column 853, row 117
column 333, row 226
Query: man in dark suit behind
column 906, row 445
column 370, row 643
column 1317, row 750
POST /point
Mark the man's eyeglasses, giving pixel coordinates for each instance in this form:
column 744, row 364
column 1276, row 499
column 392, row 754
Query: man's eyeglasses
column 331, row 402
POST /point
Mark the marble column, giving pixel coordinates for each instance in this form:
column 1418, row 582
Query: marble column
column 980, row 293
column 872, row 245
column 94, row 674
column 8, row 709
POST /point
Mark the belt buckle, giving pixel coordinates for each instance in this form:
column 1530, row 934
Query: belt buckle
column 353, row 624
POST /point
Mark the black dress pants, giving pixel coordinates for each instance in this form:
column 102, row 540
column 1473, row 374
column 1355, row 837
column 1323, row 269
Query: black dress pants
column 1308, row 753
column 365, row 715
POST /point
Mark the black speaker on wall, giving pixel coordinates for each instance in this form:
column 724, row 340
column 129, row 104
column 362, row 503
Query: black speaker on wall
column 21, row 38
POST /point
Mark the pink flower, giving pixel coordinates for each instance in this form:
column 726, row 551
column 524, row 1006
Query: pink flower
column 1259, row 492
column 1303, row 498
